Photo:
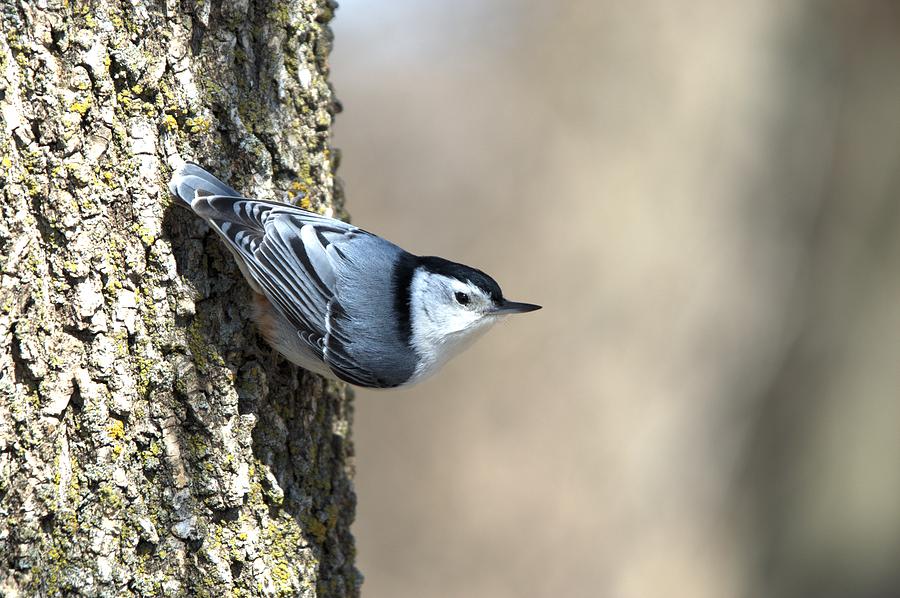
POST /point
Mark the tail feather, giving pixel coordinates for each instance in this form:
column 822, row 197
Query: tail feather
column 189, row 179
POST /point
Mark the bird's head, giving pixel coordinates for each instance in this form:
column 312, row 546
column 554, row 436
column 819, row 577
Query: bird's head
column 451, row 305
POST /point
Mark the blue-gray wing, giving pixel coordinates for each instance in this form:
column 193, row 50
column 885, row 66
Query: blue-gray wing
column 294, row 258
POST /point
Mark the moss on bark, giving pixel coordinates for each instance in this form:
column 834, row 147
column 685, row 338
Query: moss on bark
column 150, row 443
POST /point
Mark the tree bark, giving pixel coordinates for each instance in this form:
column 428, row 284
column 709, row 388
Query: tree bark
column 150, row 443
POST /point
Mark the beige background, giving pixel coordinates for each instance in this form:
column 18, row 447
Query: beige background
column 703, row 195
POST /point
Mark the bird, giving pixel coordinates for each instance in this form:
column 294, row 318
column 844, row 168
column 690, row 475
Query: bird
column 340, row 301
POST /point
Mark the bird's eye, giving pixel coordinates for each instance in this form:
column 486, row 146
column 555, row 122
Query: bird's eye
column 462, row 298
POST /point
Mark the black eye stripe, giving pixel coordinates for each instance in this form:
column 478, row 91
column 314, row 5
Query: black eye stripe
column 461, row 298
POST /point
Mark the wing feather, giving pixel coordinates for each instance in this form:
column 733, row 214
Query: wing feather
column 293, row 257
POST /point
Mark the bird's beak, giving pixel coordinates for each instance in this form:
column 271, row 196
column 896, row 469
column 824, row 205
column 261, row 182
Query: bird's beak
column 513, row 307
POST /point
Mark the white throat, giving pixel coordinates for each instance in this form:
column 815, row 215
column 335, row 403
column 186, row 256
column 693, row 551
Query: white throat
column 439, row 331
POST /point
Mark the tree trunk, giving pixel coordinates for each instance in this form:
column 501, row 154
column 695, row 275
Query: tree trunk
column 150, row 442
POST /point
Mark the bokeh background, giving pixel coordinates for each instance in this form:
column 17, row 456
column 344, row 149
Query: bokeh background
column 704, row 197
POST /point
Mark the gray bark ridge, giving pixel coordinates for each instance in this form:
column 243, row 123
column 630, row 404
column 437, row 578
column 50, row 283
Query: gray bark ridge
column 150, row 443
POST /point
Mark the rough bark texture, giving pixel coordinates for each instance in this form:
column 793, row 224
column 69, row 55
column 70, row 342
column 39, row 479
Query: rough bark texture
column 150, row 443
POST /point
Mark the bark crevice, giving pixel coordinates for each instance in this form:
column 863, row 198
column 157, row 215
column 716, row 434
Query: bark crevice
column 150, row 442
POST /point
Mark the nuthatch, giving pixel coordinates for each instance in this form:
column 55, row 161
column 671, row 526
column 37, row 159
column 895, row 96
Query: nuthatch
column 340, row 301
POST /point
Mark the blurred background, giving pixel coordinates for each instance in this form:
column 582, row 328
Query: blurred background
column 704, row 197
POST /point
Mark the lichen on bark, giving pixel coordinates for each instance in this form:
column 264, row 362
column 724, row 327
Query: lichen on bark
column 150, row 443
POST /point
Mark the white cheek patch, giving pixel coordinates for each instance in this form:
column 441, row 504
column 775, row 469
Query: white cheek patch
column 440, row 327
column 458, row 320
